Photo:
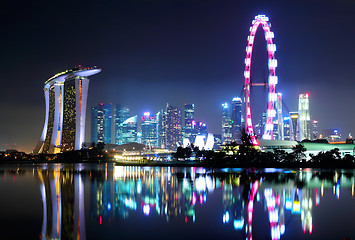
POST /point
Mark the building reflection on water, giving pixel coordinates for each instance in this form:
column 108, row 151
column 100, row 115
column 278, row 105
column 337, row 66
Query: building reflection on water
column 62, row 193
column 171, row 192
column 116, row 192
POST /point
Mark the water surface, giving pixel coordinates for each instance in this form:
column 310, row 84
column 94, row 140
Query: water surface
column 104, row 201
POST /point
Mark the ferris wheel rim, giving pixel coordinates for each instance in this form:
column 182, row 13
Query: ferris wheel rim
column 272, row 78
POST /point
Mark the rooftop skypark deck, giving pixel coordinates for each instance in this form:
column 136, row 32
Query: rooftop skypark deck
column 76, row 71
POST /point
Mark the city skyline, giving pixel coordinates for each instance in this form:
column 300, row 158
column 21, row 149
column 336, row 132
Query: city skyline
column 155, row 52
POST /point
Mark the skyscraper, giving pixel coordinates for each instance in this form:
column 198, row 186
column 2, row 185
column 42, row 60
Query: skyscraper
column 201, row 128
column 107, row 110
column 294, row 127
column 287, row 129
column 304, row 117
column 129, row 130
column 121, row 115
column 189, row 117
column 102, row 117
column 236, row 118
column 161, row 115
column 65, row 96
column 171, row 132
column 149, row 130
column 315, row 130
column 280, row 119
column 260, row 126
column 226, row 124
column 94, row 124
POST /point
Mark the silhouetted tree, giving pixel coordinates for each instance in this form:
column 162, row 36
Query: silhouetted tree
column 245, row 137
column 280, row 155
column 299, row 152
column 247, row 151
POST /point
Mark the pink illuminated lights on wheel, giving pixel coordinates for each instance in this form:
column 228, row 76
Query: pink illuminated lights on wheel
column 254, row 190
column 272, row 80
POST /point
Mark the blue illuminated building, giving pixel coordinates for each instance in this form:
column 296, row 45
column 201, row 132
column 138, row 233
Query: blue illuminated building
column 189, row 122
column 101, row 122
column 227, row 124
column 121, row 115
column 129, row 130
column 287, row 128
column 236, row 118
column 201, row 128
column 149, row 130
column 94, row 124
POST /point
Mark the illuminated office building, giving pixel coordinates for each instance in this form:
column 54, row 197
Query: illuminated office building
column 263, row 119
column 65, row 96
column 161, row 119
column 121, row 115
column 129, row 130
column 287, row 129
column 294, row 128
column 170, row 128
column 227, row 124
column 201, row 128
column 259, row 127
column 314, row 130
column 189, row 120
column 149, row 130
column 236, row 118
column 139, row 137
column 304, row 117
column 94, row 125
column 275, row 132
column 174, row 127
column 217, row 141
column 101, row 121
column 280, row 122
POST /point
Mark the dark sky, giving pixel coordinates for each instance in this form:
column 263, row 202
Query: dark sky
column 177, row 51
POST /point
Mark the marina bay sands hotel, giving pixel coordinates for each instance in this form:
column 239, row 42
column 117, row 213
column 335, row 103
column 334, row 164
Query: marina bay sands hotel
column 65, row 96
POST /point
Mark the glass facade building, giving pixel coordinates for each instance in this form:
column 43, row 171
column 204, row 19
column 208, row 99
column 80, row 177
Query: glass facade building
column 280, row 120
column 161, row 115
column 236, row 118
column 170, row 128
column 304, row 117
column 129, row 130
column 150, row 130
column 101, row 123
column 189, row 121
column 227, row 123
column 294, row 127
column 201, row 128
column 121, row 114
column 93, row 125
column 287, row 129
column 315, row 134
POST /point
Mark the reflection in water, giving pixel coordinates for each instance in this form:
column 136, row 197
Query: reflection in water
column 122, row 192
column 171, row 192
column 62, row 193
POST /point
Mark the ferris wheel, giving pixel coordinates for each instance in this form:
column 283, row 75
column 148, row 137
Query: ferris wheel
column 261, row 20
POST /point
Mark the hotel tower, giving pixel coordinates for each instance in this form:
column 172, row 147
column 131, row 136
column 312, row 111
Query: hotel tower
column 65, row 96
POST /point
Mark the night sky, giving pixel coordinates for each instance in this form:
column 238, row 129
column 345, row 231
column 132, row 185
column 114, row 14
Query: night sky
column 155, row 52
